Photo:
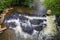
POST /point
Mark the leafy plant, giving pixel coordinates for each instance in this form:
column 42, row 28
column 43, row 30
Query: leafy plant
column 54, row 5
column 4, row 4
column 1, row 7
column 8, row 3
column 28, row 2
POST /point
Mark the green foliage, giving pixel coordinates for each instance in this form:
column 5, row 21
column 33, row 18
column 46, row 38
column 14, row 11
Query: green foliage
column 4, row 4
column 54, row 5
column 8, row 3
column 1, row 7
column 27, row 2
column 22, row 2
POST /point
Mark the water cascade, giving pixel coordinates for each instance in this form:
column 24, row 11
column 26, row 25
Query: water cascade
column 30, row 27
column 38, row 7
column 25, row 27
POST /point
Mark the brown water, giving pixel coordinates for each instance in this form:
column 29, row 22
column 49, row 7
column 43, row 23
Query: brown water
column 7, row 35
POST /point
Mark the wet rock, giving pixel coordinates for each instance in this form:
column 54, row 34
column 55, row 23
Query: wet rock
column 27, row 29
column 11, row 25
column 36, row 22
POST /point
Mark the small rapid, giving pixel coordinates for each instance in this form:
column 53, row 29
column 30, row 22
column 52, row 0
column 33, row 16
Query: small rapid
column 25, row 26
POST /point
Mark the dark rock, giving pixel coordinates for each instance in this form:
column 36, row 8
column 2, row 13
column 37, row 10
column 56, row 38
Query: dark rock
column 38, row 28
column 26, row 28
column 11, row 25
column 36, row 22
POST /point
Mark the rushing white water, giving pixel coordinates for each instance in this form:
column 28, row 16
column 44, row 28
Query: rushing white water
column 31, row 27
column 39, row 8
column 25, row 27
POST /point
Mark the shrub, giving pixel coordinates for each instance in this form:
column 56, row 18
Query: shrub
column 8, row 3
column 54, row 5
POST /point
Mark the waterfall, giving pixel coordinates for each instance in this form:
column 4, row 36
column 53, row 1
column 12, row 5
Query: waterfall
column 38, row 7
column 28, row 27
column 25, row 27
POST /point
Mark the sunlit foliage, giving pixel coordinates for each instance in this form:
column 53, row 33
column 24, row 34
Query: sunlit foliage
column 54, row 5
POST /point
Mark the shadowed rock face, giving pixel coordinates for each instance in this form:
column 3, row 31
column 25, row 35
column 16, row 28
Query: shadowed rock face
column 36, row 22
column 23, row 26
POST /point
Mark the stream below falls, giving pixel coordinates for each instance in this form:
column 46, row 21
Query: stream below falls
column 25, row 27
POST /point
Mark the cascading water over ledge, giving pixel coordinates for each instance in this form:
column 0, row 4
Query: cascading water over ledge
column 25, row 26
